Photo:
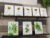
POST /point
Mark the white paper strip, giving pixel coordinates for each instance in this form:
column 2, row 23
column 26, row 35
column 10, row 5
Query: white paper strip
column 13, row 28
column 8, row 1
column 36, row 11
column 18, row 10
column 11, row 1
column 27, row 28
column 28, row 2
column 27, row 11
column 8, row 10
column 15, row 1
column 1, row 0
column 43, row 12
column 38, row 27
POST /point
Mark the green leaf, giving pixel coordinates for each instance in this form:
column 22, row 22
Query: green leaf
column 44, row 3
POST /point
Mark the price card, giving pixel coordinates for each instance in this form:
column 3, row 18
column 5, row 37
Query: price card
column 27, row 11
column 18, row 10
column 8, row 10
column 27, row 28
column 13, row 28
column 43, row 12
column 36, row 11
column 38, row 27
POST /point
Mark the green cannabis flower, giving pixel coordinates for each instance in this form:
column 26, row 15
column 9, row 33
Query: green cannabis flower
column 27, row 30
column 18, row 8
column 37, row 26
column 14, row 27
column 28, row 9
column 9, row 8
column 35, row 9
column 10, row 34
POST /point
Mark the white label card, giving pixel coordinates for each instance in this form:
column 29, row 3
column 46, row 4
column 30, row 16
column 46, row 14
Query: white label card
column 43, row 12
column 38, row 27
column 27, row 11
column 27, row 28
column 36, row 11
column 8, row 10
column 18, row 10
column 13, row 28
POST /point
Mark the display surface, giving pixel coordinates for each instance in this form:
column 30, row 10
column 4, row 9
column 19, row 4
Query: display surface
column 36, row 11
column 27, row 28
column 13, row 28
column 38, row 27
column 43, row 12
column 27, row 11
column 8, row 10
column 18, row 10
